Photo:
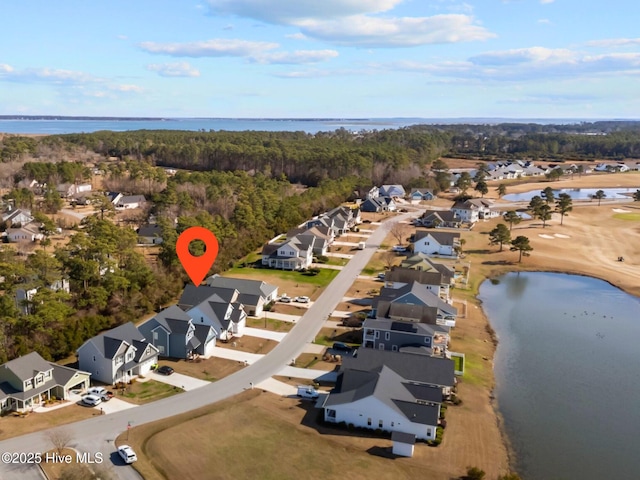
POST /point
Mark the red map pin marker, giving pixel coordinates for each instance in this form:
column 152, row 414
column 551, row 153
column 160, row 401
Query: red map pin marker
column 197, row 267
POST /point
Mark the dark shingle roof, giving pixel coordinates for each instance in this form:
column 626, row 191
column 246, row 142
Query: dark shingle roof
column 27, row 366
column 410, row 366
column 403, row 437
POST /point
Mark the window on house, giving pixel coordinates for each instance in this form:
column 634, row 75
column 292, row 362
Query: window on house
column 394, row 348
column 94, row 358
column 428, row 432
column 376, row 334
column 331, row 413
column 155, row 335
column 160, row 349
column 427, row 340
column 392, row 424
column 381, row 346
column 369, row 421
column 380, row 424
column 387, row 335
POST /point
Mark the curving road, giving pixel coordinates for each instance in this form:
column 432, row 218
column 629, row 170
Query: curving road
column 97, row 434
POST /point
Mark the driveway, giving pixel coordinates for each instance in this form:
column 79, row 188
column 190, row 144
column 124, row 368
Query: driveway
column 285, row 317
column 237, row 355
column 268, row 334
column 277, row 387
column 179, row 380
column 114, row 405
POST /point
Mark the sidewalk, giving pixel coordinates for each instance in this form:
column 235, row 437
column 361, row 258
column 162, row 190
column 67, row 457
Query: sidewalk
column 329, row 267
column 340, row 255
column 279, row 388
column 306, row 373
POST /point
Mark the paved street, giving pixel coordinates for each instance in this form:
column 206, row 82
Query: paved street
column 97, row 434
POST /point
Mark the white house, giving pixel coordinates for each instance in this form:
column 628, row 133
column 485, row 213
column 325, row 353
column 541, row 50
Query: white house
column 294, row 254
column 129, row 202
column 383, row 400
column 220, row 310
column 436, row 243
column 117, row 355
column 28, row 233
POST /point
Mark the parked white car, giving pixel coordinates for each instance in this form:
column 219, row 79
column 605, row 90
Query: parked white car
column 127, row 453
column 101, row 392
column 303, row 299
column 91, row 400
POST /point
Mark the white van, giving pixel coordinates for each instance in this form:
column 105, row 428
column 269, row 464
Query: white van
column 305, row 391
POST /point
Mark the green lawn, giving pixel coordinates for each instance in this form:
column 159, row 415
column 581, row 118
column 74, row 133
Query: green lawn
column 458, row 363
column 149, row 391
column 322, row 279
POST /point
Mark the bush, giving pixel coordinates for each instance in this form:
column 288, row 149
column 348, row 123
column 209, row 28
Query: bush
column 322, row 259
column 474, row 473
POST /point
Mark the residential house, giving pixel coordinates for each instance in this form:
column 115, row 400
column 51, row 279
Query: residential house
column 150, row 234
column 416, row 368
column 421, row 261
column 26, row 382
column 294, row 254
column 431, row 307
column 436, row 243
column 217, row 307
column 389, row 204
column 374, row 192
column 439, row 219
column 392, row 335
column 475, row 209
column 325, row 236
column 117, row 355
column 383, row 400
column 129, row 202
column 434, row 280
column 253, row 294
column 373, row 205
column 27, row 233
column 68, row 190
column 173, row 333
column 418, row 194
column 392, row 191
column 114, row 197
column 17, row 216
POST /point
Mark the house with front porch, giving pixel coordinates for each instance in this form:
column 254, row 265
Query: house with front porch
column 436, row 243
column 117, row 355
column 173, row 333
column 439, row 219
column 28, row 381
column 394, row 335
column 433, row 280
column 294, row 254
column 252, row 294
column 222, row 310
column 423, row 262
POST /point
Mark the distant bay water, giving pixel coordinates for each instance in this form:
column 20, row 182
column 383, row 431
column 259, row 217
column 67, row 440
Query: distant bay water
column 58, row 125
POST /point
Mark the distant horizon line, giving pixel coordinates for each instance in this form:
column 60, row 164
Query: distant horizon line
column 314, row 119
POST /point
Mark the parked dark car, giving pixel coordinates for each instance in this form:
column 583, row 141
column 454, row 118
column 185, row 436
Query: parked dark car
column 341, row 347
column 165, row 370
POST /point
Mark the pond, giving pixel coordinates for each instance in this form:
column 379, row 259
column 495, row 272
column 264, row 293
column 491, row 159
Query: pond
column 575, row 193
column 567, row 374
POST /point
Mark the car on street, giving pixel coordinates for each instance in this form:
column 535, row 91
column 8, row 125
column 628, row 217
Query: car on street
column 381, row 276
column 127, row 453
column 399, row 248
column 303, row 299
column 91, row 400
column 165, row 370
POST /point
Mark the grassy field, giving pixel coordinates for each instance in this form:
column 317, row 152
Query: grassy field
column 209, row 369
column 323, row 278
column 259, row 428
column 272, row 325
column 15, row 426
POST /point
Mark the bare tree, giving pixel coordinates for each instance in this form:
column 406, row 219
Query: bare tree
column 389, row 258
column 59, row 438
column 399, row 231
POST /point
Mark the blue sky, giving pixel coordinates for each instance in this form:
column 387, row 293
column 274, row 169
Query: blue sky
column 321, row 58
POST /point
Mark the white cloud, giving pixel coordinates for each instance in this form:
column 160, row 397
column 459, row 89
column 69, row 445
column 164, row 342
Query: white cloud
column 367, row 31
column 296, row 36
column 292, row 11
column 522, row 55
column 530, row 64
column 127, row 88
column 176, row 69
column 297, row 57
column 47, row 75
column 544, row 21
column 546, row 1
column 614, row 42
column 5, row 68
column 210, row 48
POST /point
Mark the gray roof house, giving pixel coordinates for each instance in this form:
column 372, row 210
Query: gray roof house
column 422, row 261
column 436, row 243
column 383, row 399
column 414, row 293
column 173, row 333
column 117, row 355
column 392, row 191
column 253, row 294
column 150, row 234
column 416, row 368
column 421, row 194
column 26, row 382
column 433, row 279
column 439, row 219
column 217, row 307
column 128, row 202
column 391, row 335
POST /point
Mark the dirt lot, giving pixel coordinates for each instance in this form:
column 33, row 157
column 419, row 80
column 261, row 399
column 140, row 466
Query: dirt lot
column 15, row 426
column 249, row 344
